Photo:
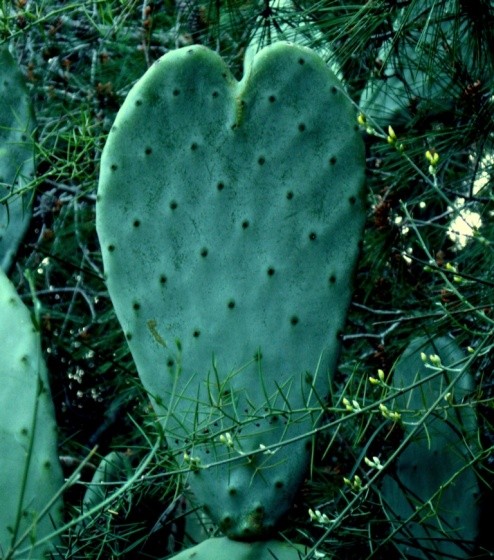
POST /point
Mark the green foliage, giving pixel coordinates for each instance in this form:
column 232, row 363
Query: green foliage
column 16, row 157
column 215, row 227
column 425, row 267
column 30, row 478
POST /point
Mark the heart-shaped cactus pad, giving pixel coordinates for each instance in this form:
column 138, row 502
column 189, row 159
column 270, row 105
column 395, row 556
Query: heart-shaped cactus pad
column 229, row 215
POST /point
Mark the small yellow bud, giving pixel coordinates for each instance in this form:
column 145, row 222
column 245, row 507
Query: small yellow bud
column 380, row 374
column 361, row 119
column 432, row 157
column 374, row 381
column 391, row 134
column 395, row 416
column 435, row 360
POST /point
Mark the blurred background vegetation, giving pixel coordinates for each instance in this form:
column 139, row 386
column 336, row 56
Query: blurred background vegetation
column 427, row 256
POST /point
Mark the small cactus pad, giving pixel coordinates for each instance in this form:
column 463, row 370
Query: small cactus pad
column 225, row 549
column 432, row 472
column 114, row 468
column 16, row 157
column 30, row 473
column 229, row 215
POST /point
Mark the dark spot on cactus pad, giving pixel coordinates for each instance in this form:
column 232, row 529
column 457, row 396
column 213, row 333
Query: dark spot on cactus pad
column 194, row 146
column 245, row 224
column 294, row 320
column 352, row 200
column 23, row 137
column 111, row 248
column 113, row 166
column 169, row 362
column 279, row 484
column 332, row 279
column 301, row 127
column 163, row 279
column 148, row 151
column 215, row 94
column 196, row 333
column 47, row 465
column 258, row 356
column 225, row 522
column 334, row 90
column 136, row 223
column 271, row 271
column 261, row 160
column 332, row 160
column 138, row 103
column 220, row 186
column 24, row 432
column 173, row 205
column 272, row 98
column 128, row 336
column 204, row 252
column 231, row 304
column 289, row 195
column 190, row 51
column 136, row 306
column 312, row 235
column 176, row 92
column 309, row 378
column 232, row 491
column 301, row 61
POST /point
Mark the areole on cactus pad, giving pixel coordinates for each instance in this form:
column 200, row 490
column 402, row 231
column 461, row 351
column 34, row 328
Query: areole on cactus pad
column 229, row 215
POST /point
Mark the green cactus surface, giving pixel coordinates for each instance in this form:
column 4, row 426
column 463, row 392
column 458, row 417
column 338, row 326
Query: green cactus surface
column 30, row 473
column 114, row 468
column 16, row 157
column 229, row 215
column 226, row 549
column 434, row 467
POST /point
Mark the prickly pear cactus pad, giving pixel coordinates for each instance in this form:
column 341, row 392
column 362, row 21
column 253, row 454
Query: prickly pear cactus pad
column 433, row 469
column 226, row 549
column 229, row 215
column 16, row 157
column 30, row 473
